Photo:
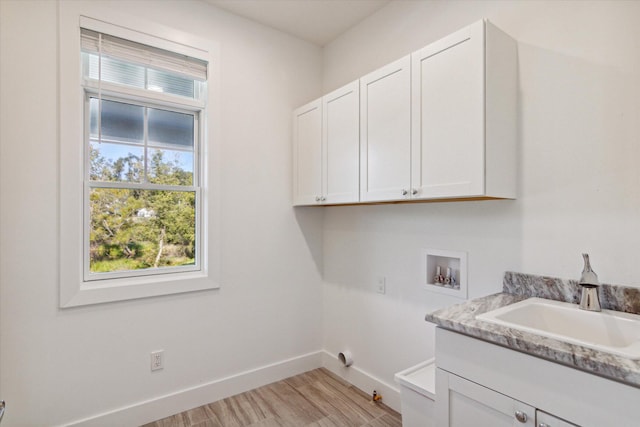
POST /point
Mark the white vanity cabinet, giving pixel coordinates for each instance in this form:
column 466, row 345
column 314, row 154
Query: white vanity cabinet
column 547, row 420
column 326, row 149
column 479, row 383
column 470, row 404
column 385, row 128
column 464, row 106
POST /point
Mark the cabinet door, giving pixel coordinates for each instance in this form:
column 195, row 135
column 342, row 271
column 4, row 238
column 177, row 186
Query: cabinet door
column 385, row 123
column 341, row 149
column 448, row 116
column 307, row 154
column 462, row 403
column 547, row 420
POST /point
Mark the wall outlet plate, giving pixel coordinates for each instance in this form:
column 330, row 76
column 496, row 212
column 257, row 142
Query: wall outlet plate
column 157, row 360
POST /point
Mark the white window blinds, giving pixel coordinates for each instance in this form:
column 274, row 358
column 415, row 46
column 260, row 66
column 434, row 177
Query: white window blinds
column 147, row 56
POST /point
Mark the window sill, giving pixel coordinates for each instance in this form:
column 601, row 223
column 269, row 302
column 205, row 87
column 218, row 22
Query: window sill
column 109, row 290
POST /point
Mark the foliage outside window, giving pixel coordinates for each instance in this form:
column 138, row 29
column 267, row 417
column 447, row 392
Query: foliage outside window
column 142, row 162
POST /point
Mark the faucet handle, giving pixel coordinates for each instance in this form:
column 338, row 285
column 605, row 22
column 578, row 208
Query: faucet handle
column 588, row 277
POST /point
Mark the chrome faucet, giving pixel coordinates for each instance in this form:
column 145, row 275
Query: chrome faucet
column 589, row 283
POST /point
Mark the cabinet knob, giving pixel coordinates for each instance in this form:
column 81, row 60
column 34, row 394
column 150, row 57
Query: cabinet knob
column 317, row 198
column 414, row 191
column 521, row 416
column 543, row 425
column 404, row 192
column 323, row 199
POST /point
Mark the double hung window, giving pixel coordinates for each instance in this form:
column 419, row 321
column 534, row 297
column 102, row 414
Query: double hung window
column 143, row 171
column 137, row 166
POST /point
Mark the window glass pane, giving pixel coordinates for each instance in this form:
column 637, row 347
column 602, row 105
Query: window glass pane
column 170, row 167
column 120, row 122
column 122, row 72
column 116, row 162
column 141, row 229
column 170, row 129
column 132, row 74
column 114, row 70
column 161, row 81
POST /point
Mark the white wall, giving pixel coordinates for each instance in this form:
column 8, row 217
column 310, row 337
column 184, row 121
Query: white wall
column 578, row 179
column 63, row 365
column 579, row 121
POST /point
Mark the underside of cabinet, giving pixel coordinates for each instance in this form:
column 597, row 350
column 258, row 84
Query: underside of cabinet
column 404, row 202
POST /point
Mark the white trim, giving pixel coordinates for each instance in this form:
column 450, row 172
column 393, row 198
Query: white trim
column 107, row 89
column 149, row 34
column 363, row 380
column 73, row 290
column 172, row 403
column 141, row 186
column 188, row 398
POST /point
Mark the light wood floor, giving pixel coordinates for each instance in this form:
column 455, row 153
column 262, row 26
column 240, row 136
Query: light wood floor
column 316, row 398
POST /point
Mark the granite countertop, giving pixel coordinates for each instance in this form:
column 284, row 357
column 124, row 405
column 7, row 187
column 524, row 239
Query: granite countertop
column 517, row 287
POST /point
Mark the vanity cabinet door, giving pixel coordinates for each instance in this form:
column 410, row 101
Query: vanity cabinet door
column 547, row 420
column 462, row 403
column 385, row 130
column 307, row 154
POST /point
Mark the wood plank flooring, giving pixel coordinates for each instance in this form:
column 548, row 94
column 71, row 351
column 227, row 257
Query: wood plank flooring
column 316, row 398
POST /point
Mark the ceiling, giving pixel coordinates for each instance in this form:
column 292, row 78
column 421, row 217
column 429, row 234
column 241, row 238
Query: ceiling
column 317, row 21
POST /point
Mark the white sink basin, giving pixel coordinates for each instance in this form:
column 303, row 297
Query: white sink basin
column 610, row 331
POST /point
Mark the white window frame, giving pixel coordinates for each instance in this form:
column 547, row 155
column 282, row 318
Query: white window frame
column 76, row 288
column 89, row 184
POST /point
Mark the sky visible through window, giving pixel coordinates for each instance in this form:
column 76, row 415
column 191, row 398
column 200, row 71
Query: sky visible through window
column 113, row 152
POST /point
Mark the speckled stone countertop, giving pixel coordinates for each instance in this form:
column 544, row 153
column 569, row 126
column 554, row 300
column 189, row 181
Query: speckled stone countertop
column 517, row 287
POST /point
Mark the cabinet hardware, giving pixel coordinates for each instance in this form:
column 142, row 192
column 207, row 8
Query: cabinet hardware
column 414, row 191
column 404, row 192
column 521, row 416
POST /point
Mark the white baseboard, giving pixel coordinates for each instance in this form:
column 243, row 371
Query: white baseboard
column 173, row 403
column 363, row 380
column 164, row 406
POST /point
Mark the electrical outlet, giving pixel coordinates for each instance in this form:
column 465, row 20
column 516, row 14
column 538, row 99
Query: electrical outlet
column 381, row 286
column 157, row 360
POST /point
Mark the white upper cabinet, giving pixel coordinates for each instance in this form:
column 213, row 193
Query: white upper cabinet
column 385, row 129
column 326, row 149
column 307, row 154
column 464, row 115
column 437, row 124
column 341, row 145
